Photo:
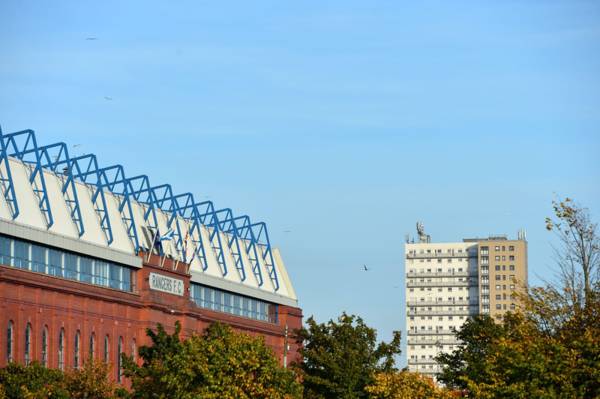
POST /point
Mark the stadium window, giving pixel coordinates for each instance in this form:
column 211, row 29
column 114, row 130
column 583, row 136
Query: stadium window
column 45, row 346
column 133, row 350
column 115, row 276
column 119, row 363
column 21, row 254
column 71, row 266
column 106, row 348
column 38, row 258
column 101, row 273
column 5, row 251
column 55, row 265
column 28, row 344
column 92, row 348
column 61, row 349
column 85, row 269
column 76, row 350
column 10, row 337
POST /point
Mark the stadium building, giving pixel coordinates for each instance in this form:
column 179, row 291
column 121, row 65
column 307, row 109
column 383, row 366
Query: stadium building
column 90, row 257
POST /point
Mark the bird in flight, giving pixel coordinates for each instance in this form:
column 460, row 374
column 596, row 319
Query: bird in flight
column 91, row 38
column 366, row 268
column 287, row 231
column 108, row 98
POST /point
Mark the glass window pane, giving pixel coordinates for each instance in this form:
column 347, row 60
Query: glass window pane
column 85, row 269
column 245, row 307
column 115, row 276
column 38, row 256
column 101, row 272
column 126, row 279
column 237, row 309
column 5, row 255
column 227, row 302
column 218, row 300
column 55, row 263
column 71, row 266
column 21, row 254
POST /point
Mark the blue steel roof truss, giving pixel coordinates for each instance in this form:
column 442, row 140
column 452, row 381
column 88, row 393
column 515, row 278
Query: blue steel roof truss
column 246, row 233
column 8, row 187
column 165, row 200
column 227, row 223
column 137, row 189
column 190, row 210
column 142, row 193
column 211, row 221
column 115, row 181
column 266, row 252
column 20, row 143
column 87, row 165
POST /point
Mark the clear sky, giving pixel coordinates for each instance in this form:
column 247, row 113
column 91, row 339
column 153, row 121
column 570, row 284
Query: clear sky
column 341, row 122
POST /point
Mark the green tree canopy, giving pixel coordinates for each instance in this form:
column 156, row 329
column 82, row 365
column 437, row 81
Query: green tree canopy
column 33, row 381
column 220, row 363
column 341, row 358
column 550, row 348
column 406, row 385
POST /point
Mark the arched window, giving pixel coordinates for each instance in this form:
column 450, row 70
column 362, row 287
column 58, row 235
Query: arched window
column 45, row 346
column 61, row 349
column 77, row 346
column 28, row 344
column 119, row 363
column 10, row 338
column 92, row 345
column 133, row 350
column 106, row 349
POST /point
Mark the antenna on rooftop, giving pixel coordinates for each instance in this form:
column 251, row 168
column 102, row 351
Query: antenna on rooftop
column 423, row 238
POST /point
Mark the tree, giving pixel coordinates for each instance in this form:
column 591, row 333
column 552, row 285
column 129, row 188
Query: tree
column 90, row 382
column 33, row 381
column 341, row 358
column 550, row 347
column 217, row 364
column 579, row 255
column 470, row 361
column 405, row 385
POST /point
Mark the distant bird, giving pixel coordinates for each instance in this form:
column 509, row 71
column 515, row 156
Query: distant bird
column 91, row 38
column 108, row 98
column 366, row 268
column 287, row 231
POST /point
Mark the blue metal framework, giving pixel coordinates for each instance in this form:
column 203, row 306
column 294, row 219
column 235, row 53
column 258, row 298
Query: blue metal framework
column 8, row 187
column 114, row 180
column 267, row 253
column 205, row 213
column 88, row 165
column 21, row 144
column 163, row 198
column 227, row 224
column 240, row 232
column 246, row 233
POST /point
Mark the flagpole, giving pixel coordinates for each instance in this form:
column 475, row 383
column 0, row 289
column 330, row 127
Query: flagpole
column 152, row 245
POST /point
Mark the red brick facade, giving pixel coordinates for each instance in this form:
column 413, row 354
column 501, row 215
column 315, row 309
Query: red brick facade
column 56, row 303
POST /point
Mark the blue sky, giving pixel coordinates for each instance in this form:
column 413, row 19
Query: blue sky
column 344, row 122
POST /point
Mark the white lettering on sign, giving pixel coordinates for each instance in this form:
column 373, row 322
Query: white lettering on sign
column 167, row 284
